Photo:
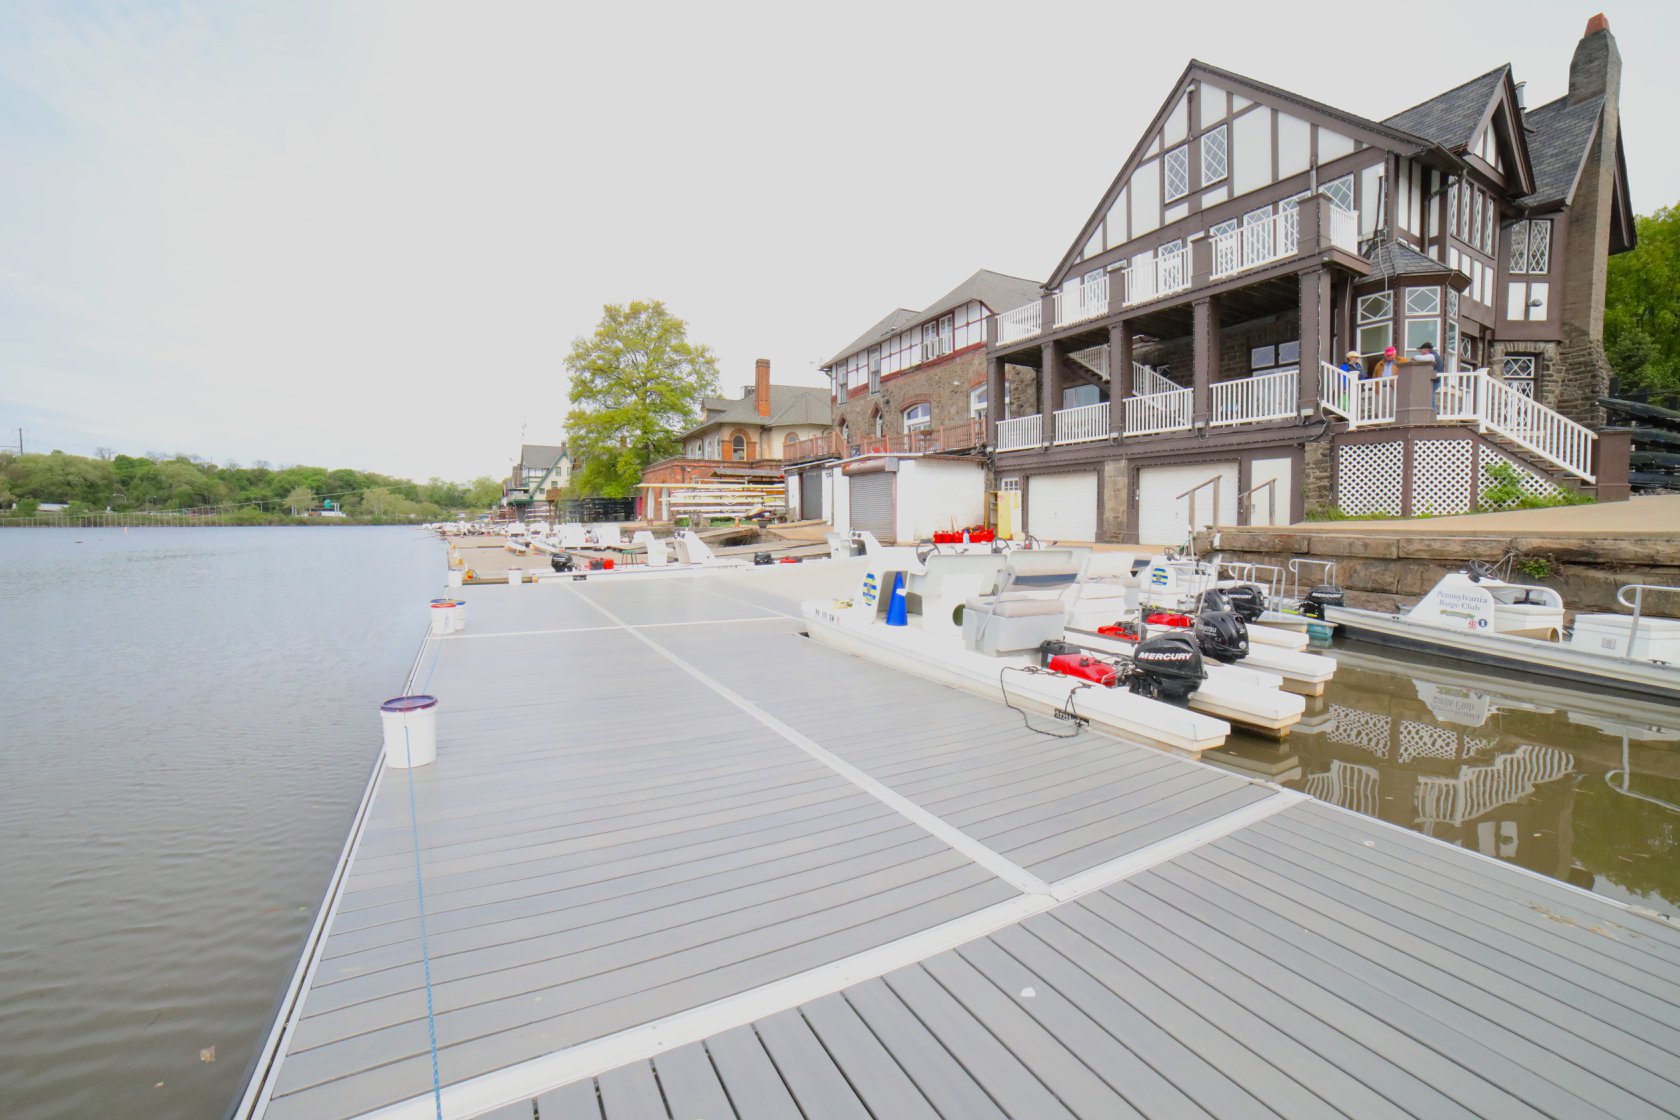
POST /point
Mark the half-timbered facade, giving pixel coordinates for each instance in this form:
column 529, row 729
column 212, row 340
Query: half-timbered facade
column 1253, row 239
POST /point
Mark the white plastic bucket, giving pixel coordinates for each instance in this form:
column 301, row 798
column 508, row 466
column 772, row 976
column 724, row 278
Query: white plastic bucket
column 410, row 730
column 455, row 577
column 516, row 575
column 458, row 615
column 443, row 617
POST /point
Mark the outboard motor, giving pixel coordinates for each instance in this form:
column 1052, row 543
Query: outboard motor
column 1167, row 667
column 763, row 558
column 1324, row 595
column 1247, row 600
column 561, row 561
column 1214, row 599
column 1222, row 635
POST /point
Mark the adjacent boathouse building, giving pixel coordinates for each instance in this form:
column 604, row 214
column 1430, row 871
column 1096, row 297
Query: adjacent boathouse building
column 1252, row 239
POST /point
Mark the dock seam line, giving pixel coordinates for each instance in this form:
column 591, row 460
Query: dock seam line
column 524, row 1080
column 638, row 626
column 1007, row 870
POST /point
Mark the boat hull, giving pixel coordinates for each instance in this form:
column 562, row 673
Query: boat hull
column 1553, row 660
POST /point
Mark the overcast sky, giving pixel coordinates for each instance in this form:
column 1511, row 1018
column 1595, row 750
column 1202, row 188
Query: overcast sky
column 364, row 235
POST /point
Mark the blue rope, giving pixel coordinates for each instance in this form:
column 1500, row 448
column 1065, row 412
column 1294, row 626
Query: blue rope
column 420, row 894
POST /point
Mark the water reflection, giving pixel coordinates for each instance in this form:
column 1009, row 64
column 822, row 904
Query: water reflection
column 1570, row 785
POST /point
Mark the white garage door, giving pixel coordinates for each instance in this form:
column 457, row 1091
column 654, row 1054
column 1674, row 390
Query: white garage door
column 1164, row 517
column 1062, row 507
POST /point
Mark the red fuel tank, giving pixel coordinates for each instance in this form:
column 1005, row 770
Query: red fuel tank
column 1085, row 668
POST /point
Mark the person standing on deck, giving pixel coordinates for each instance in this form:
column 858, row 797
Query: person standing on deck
column 1388, row 366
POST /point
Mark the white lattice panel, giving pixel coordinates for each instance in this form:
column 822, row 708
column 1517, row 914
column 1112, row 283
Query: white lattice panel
column 1530, row 482
column 1369, row 731
column 1368, row 478
column 1422, row 740
column 1442, row 476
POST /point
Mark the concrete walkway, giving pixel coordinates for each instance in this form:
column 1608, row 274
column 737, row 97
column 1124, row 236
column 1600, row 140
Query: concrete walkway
column 1654, row 516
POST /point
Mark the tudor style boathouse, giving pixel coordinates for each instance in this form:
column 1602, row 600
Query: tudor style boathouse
column 1252, row 239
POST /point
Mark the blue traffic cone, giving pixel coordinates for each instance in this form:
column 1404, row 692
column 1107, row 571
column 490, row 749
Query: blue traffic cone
column 898, row 607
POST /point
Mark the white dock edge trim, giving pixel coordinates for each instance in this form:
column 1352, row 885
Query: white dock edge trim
column 638, row 626
column 527, row 1079
column 265, row 1066
column 1007, row 870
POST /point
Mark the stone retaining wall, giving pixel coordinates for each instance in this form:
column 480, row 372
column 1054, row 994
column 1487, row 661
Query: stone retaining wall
column 1385, row 571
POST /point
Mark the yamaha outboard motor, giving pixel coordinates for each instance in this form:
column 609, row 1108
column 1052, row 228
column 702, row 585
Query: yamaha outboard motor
column 561, row 561
column 1247, row 600
column 1324, row 595
column 1222, row 635
column 1167, row 667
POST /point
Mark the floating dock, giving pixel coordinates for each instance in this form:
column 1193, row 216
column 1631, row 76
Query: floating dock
column 681, row 862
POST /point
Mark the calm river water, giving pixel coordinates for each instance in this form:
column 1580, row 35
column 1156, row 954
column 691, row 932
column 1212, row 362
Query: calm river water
column 187, row 719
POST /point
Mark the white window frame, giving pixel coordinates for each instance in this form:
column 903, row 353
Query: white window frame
column 922, row 412
column 1336, row 189
column 1179, row 155
column 1216, row 155
column 977, row 403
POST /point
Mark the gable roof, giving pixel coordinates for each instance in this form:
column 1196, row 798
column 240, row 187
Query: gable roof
column 1452, row 119
column 997, row 290
column 540, row 456
column 1560, row 135
column 789, row 404
column 1366, row 129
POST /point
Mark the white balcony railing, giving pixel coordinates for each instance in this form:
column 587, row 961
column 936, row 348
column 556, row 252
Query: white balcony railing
column 1270, row 239
column 1359, row 402
column 1145, row 381
column 1246, row 400
column 1083, row 300
column 1344, row 229
column 1020, row 432
column 1164, row 275
column 1023, row 322
column 1082, row 424
column 1158, row 412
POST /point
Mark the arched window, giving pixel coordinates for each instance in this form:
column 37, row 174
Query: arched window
column 880, row 423
column 977, row 403
column 738, row 448
column 787, row 444
column 918, row 417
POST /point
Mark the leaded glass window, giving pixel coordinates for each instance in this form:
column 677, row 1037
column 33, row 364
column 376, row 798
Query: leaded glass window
column 1519, row 247
column 1518, row 371
column 1340, row 192
column 1376, row 323
column 1213, row 156
column 1377, row 306
column 1423, row 301
column 1488, row 224
column 1540, row 246
column 1178, row 172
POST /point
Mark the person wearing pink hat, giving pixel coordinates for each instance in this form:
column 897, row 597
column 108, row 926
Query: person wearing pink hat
column 1387, row 366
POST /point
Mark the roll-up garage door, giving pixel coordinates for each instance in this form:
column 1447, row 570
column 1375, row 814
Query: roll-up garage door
column 872, row 504
column 1062, row 507
column 810, row 495
column 1164, row 517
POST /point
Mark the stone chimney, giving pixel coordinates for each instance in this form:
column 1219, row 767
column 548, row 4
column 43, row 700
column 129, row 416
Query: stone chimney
column 761, row 386
column 1596, row 68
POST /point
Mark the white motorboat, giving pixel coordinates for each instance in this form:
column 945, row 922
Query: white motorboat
column 996, row 625
column 1476, row 615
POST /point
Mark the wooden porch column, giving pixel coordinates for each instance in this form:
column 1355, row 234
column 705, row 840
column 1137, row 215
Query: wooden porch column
column 1316, row 299
column 1205, row 367
column 1050, row 389
column 1119, row 375
column 994, row 397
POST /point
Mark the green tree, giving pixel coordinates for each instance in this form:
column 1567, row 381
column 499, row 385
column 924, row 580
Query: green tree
column 1641, row 316
column 300, row 501
column 636, row 385
column 482, row 493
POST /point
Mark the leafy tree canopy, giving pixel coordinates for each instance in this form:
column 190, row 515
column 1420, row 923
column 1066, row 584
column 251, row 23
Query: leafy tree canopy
column 636, row 386
column 1641, row 313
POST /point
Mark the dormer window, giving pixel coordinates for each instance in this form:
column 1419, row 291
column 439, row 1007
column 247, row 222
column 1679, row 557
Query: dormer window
column 1178, row 172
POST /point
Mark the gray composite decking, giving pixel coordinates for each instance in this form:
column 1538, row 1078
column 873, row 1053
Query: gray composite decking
column 656, row 797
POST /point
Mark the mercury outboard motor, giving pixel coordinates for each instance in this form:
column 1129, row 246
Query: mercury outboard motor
column 763, row 558
column 561, row 561
column 1167, row 667
column 1324, row 595
column 1247, row 600
column 1222, row 635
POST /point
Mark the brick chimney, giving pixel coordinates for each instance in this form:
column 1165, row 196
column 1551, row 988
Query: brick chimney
column 761, row 386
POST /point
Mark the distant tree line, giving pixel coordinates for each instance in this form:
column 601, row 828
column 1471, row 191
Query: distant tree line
column 1642, row 313
column 129, row 483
